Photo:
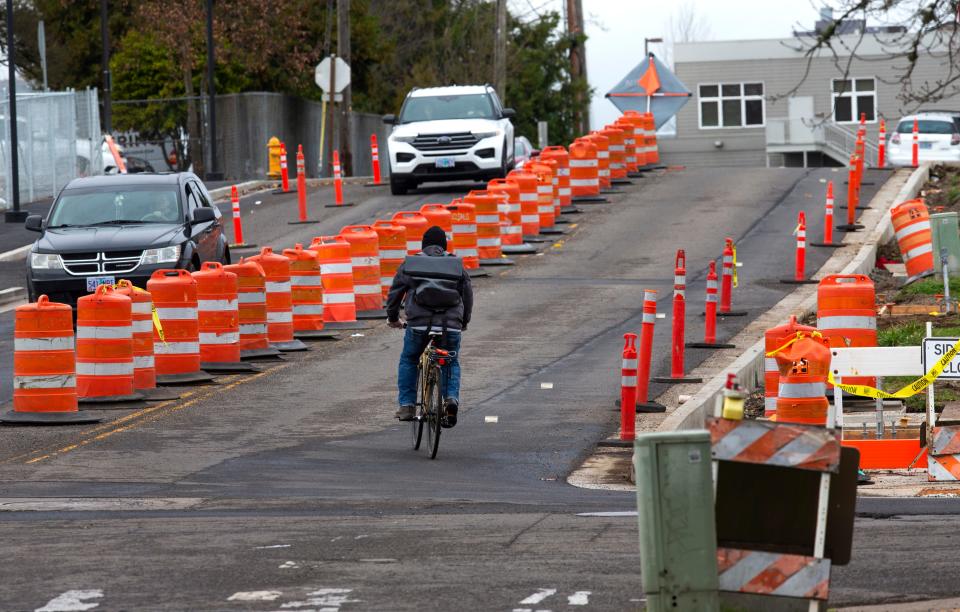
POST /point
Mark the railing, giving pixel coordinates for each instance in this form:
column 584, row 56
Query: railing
column 816, row 135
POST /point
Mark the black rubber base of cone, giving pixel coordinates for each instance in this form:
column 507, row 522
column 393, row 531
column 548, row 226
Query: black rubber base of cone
column 535, row 239
column 862, row 183
column 515, row 249
column 267, row 353
column 282, row 192
column 245, row 245
column 650, row 408
column 291, row 346
column 372, row 184
column 827, row 245
column 193, row 378
column 316, row 334
column 344, row 205
column 670, row 380
column 367, row 315
column 609, row 190
column 793, row 281
column 589, row 200
column 856, row 227
column 553, row 231
column 634, row 175
column 229, row 367
column 570, row 210
column 477, row 272
column 732, row 313
column 709, row 345
column 621, row 181
column 561, row 220
column 340, row 325
column 112, row 399
column 48, row 418
column 844, row 207
column 503, row 261
column 158, row 394
column 308, row 221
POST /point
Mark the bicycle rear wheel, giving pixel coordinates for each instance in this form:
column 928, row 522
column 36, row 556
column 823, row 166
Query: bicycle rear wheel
column 416, row 425
column 435, row 406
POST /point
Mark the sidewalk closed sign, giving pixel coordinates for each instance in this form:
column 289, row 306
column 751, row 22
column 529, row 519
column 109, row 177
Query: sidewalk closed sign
column 935, row 348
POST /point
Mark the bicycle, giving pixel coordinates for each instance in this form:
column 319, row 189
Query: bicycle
column 430, row 395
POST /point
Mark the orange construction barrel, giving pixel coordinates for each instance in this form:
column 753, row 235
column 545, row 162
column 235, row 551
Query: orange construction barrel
column 218, row 312
column 416, row 225
column 774, row 338
column 804, row 366
column 105, row 347
column 911, row 224
column 252, row 310
column 393, row 250
column 365, row 257
column 279, row 301
column 176, row 343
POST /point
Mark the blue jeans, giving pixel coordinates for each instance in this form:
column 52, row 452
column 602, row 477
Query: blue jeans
column 414, row 341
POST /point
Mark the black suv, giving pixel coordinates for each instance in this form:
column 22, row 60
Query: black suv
column 104, row 228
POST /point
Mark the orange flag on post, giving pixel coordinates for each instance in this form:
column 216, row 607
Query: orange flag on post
column 650, row 81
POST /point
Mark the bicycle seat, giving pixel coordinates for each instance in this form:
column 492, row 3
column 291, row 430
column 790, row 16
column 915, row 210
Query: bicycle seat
column 434, row 333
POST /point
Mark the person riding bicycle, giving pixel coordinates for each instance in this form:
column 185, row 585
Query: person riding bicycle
column 434, row 289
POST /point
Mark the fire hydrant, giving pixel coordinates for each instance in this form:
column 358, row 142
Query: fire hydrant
column 273, row 148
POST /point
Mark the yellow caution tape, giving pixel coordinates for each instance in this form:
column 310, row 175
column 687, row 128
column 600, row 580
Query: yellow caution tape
column 735, row 282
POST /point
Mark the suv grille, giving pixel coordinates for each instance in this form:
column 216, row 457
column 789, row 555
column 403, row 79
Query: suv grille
column 445, row 142
column 79, row 264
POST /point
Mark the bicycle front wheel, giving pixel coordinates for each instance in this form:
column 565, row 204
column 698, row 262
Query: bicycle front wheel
column 434, row 411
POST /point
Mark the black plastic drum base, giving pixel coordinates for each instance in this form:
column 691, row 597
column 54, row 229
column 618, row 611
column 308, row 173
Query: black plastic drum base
column 827, row 245
column 856, row 227
column 503, row 261
column 650, row 408
column 676, row 381
column 710, row 345
column 793, row 281
column 48, row 418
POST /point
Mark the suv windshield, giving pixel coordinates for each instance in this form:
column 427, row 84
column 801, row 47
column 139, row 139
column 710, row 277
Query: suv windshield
column 432, row 108
column 82, row 207
column 927, row 126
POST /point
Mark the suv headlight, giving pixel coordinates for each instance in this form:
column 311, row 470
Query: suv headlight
column 482, row 135
column 45, row 261
column 170, row 254
column 403, row 138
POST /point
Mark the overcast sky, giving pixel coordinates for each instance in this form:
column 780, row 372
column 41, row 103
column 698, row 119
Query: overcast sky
column 616, row 29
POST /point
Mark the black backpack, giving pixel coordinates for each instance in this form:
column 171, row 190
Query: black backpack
column 437, row 281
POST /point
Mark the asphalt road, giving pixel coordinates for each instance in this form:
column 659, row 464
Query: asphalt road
column 295, row 488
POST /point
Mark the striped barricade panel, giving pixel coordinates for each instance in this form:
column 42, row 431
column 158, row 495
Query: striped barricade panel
column 776, row 574
column 796, row 446
column 943, row 462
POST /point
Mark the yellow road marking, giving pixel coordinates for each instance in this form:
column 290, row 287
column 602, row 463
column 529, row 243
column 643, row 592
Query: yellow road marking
column 140, row 417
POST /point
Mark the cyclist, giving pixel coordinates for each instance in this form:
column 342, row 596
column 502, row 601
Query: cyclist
column 434, row 289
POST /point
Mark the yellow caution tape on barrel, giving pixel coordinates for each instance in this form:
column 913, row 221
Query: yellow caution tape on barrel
column 153, row 310
column 735, row 280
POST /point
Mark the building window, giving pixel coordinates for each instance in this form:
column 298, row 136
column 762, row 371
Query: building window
column 853, row 97
column 731, row 105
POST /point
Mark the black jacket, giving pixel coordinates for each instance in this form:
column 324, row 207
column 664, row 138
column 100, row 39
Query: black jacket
column 401, row 293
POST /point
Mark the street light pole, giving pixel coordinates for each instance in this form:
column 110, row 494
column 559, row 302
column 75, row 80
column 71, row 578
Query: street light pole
column 14, row 215
column 646, row 45
column 105, row 67
column 212, row 174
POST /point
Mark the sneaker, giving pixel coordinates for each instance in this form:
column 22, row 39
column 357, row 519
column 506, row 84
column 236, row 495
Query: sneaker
column 451, row 405
column 405, row 413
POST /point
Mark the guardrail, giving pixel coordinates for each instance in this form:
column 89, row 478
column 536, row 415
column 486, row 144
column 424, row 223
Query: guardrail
column 816, row 135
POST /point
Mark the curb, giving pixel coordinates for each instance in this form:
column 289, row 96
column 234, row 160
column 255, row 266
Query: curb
column 16, row 254
column 11, row 295
column 248, row 187
column 748, row 364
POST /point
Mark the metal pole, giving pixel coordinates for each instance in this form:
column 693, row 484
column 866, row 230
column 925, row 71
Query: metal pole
column 500, row 49
column 15, row 215
column 42, row 47
column 105, row 66
column 333, row 115
column 343, row 50
column 212, row 174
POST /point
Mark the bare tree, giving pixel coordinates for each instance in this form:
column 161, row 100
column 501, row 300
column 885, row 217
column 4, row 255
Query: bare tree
column 685, row 25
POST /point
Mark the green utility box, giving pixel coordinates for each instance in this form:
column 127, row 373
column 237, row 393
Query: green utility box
column 946, row 235
column 678, row 541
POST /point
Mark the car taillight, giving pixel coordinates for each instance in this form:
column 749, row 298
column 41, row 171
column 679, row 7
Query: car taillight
column 895, row 139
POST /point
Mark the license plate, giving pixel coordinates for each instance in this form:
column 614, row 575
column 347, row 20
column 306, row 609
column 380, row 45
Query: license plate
column 445, row 162
column 95, row 281
column 926, row 145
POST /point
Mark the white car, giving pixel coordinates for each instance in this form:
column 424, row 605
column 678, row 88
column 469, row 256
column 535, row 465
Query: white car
column 939, row 139
column 448, row 134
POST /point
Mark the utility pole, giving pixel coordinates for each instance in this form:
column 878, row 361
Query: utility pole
column 212, row 173
column 578, row 63
column 343, row 50
column 105, row 64
column 13, row 215
column 500, row 50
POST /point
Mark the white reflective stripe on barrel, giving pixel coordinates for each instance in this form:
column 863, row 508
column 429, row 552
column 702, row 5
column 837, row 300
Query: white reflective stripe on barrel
column 630, row 364
column 514, row 207
column 216, row 305
column 649, row 296
column 142, row 362
column 176, row 348
column 649, row 317
column 488, row 219
column 143, row 327
column 920, row 250
column 913, row 228
column 488, row 242
column 802, row 390
column 252, row 329
column 220, row 337
column 412, row 245
column 603, row 172
column 392, row 254
column 464, row 252
column 583, row 163
column 338, row 298
column 177, row 314
column 386, row 281
column 616, row 148
column 308, row 309
column 252, row 297
column 58, row 343
column 770, row 365
column 583, row 182
column 367, row 289
column 45, row 381
column 280, row 317
column 336, row 268
column 564, row 172
column 603, row 153
column 564, row 191
column 628, row 381
column 711, row 284
column 616, row 165
column 304, row 280
column 846, row 322
column 278, row 286
column 510, row 229
column 770, row 404
column 100, row 332
column 141, row 308
column 545, row 208
column 465, row 229
column 545, row 189
column 365, row 261
column 85, row 368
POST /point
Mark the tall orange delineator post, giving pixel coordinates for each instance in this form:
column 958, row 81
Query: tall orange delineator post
column 710, row 315
column 375, row 162
column 679, row 316
column 828, row 221
column 337, row 184
column 916, row 143
column 284, row 169
column 853, row 197
column 628, row 388
column 237, row 220
column 301, row 190
column 726, row 282
column 800, row 256
column 646, row 354
column 882, row 145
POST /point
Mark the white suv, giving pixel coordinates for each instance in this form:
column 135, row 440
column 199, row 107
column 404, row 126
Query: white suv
column 448, row 134
column 939, row 139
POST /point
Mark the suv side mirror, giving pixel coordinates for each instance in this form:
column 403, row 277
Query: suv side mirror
column 390, row 119
column 34, row 223
column 508, row 113
column 203, row 215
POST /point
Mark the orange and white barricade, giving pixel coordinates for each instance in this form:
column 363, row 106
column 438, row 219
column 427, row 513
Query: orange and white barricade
column 546, row 213
column 911, row 224
column 511, row 233
column 105, row 347
column 252, row 310
column 774, row 338
column 218, row 312
column 529, row 203
column 562, row 157
column 618, row 153
column 365, row 257
column 276, row 269
column 176, row 342
column 465, row 236
column 603, row 158
column 393, row 250
column 416, row 225
column 489, row 246
column 336, row 275
column 306, row 292
column 437, row 214
column 141, row 311
column 584, row 172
